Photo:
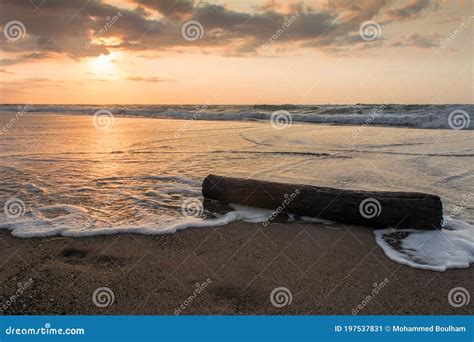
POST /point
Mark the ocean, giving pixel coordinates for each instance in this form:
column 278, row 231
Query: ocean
column 138, row 169
column 384, row 114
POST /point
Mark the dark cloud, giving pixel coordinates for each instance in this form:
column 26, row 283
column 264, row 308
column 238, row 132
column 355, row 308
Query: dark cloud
column 69, row 26
column 420, row 41
column 82, row 28
column 411, row 9
column 356, row 12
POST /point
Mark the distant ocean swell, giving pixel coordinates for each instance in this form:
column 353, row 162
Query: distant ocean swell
column 414, row 116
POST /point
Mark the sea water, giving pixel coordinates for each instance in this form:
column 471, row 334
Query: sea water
column 68, row 174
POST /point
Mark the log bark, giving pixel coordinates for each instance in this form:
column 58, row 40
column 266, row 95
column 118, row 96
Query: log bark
column 378, row 209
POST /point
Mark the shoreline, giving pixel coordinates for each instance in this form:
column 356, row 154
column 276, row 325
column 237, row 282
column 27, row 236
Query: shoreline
column 327, row 269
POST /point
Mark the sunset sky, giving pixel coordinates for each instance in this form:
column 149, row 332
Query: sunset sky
column 263, row 52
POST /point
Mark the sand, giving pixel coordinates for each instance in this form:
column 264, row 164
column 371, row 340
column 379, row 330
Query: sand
column 328, row 270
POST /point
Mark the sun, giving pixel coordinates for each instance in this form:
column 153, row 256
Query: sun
column 105, row 65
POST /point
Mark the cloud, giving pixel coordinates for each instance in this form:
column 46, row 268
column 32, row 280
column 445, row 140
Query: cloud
column 25, row 58
column 169, row 8
column 32, row 85
column 84, row 28
column 267, row 5
column 420, row 41
column 412, row 9
column 146, row 79
column 356, row 12
column 4, row 71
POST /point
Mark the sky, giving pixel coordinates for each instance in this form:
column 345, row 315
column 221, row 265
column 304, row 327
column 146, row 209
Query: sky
column 236, row 52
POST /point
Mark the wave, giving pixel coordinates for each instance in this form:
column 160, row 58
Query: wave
column 74, row 221
column 393, row 115
column 434, row 250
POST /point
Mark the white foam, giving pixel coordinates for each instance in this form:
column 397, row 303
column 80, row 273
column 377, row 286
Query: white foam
column 251, row 214
column 48, row 221
column 435, row 250
column 451, row 247
column 73, row 221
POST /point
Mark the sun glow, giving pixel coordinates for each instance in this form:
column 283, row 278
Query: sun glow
column 105, row 65
column 107, row 41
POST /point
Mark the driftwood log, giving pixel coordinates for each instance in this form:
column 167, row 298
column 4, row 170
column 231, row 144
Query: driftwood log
column 378, row 209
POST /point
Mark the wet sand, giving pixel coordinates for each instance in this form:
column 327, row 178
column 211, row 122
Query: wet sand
column 328, row 270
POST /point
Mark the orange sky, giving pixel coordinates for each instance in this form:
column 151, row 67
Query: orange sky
column 243, row 52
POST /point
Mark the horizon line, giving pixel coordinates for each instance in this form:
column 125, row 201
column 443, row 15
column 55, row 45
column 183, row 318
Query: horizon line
column 234, row 104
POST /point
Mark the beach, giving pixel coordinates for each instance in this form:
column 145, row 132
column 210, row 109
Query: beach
column 236, row 170
column 329, row 270
column 116, row 214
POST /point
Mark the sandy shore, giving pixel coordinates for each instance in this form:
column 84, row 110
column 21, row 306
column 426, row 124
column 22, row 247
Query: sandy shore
column 328, row 270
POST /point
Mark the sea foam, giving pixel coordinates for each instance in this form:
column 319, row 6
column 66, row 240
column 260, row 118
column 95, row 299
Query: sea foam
column 435, row 250
column 74, row 221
